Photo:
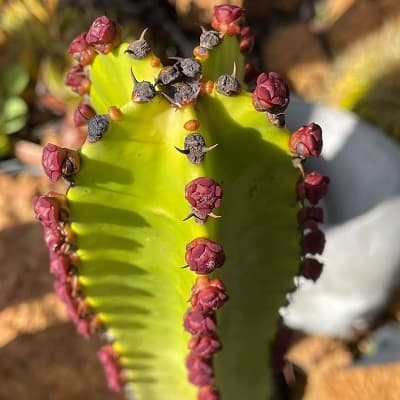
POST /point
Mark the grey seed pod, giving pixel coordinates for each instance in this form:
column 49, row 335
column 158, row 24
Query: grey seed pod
column 210, row 39
column 169, row 74
column 182, row 93
column 228, row 85
column 190, row 67
column 143, row 91
column 97, row 127
column 140, row 48
column 195, row 148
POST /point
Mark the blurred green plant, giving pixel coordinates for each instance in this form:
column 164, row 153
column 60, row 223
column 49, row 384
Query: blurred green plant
column 13, row 108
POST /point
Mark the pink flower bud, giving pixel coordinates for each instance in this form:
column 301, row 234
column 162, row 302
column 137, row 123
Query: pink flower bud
column 53, row 238
column 81, row 51
column 52, row 161
column 226, row 18
column 84, row 328
column 306, row 141
column 110, row 361
column 82, row 114
column 57, row 162
column 201, row 372
column 51, row 209
column 104, row 35
column 204, row 346
column 313, row 187
column 208, row 393
column 204, row 194
column 203, row 256
column 311, row 269
column 59, row 266
column 198, row 324
column 64, row 292
column 313, row 242
column 246, row 39
column 271, row 93
column 77, row 80
column 208, row 299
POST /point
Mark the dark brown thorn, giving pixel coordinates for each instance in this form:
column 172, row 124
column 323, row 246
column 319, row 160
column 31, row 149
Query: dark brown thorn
column 171, row 100
column 134, row 80
column 188, row 217
column 182, row 151
column 185, row 266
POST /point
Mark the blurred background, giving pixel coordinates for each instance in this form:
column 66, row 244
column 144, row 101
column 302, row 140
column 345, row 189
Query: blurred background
column 341, row 59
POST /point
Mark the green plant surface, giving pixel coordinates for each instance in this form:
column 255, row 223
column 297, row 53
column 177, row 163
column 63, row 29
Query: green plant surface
column 127, row 207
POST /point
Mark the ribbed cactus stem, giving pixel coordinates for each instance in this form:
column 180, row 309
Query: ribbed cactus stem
column 183, row 193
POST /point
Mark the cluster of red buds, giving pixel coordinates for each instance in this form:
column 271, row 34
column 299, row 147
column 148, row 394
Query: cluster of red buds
column 110, row 361
column 53, row 213
column 227, row 20
column 311, row 188
column 207, row 296
column 102, row 37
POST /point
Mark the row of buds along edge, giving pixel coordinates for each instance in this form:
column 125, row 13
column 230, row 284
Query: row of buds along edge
column 202, row 256
column 311, row 187
column 53, row 213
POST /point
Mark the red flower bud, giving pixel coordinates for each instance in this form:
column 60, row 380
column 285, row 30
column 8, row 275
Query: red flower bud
column 306, row 141
column 198, row 324
column 64, row 292
column 226, row 18
column 250, row 73
column 208, row 299
column 81, row 51
column 104, row 35
column 280, row 346
column 203, row 256
column 110, row 361
column 313, row 242
column 271, row 93
column 201, row 372
column 78, row 80
column 82, row 114
column 204, row 346
column 246, row 39
column 59, row 266
column 53, row 238
column 50, row 210
column 313, row 187
column 204, row 194
column 311, row 269
column 309, row 217
column 84, row 328
column 57, row 162
column 208, row 393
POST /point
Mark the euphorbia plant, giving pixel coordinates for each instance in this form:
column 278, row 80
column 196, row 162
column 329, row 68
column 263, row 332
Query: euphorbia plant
column 177, row 238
